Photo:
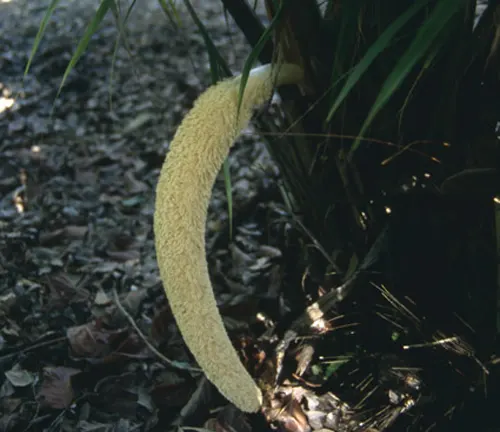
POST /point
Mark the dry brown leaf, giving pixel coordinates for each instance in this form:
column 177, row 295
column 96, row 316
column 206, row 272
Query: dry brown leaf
column 56, row 390
column 63, row 290
column 101, row 345
column 89, row 340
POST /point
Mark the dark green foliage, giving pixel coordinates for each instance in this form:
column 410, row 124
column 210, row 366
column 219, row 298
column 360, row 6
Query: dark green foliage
column 400, row 96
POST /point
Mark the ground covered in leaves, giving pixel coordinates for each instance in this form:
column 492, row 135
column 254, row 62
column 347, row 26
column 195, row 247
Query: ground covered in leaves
column 81, row 304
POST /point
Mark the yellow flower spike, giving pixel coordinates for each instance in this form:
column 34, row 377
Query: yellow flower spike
column 196, row 154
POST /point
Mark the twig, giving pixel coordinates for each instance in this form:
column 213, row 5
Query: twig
column 173, row 363
column 33, row 347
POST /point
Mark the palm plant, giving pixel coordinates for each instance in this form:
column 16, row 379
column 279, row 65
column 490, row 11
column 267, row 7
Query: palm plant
column 397, row 116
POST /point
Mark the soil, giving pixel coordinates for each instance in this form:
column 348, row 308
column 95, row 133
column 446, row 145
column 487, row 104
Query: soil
column 81, row 302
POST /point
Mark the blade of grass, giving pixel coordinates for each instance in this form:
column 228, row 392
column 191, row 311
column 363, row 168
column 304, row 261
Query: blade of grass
column 171, row 12
column 252, row 57
column 121, row 32
column 442, row 40
column 250, row 25
column 423, row 41
column 216, row 60
column 347, row 43
column 372, row 53
column 120, row 23
column 41, row 30
column 84, row 41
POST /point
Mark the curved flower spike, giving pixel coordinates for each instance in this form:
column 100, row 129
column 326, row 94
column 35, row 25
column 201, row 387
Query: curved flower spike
column 196, row 154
